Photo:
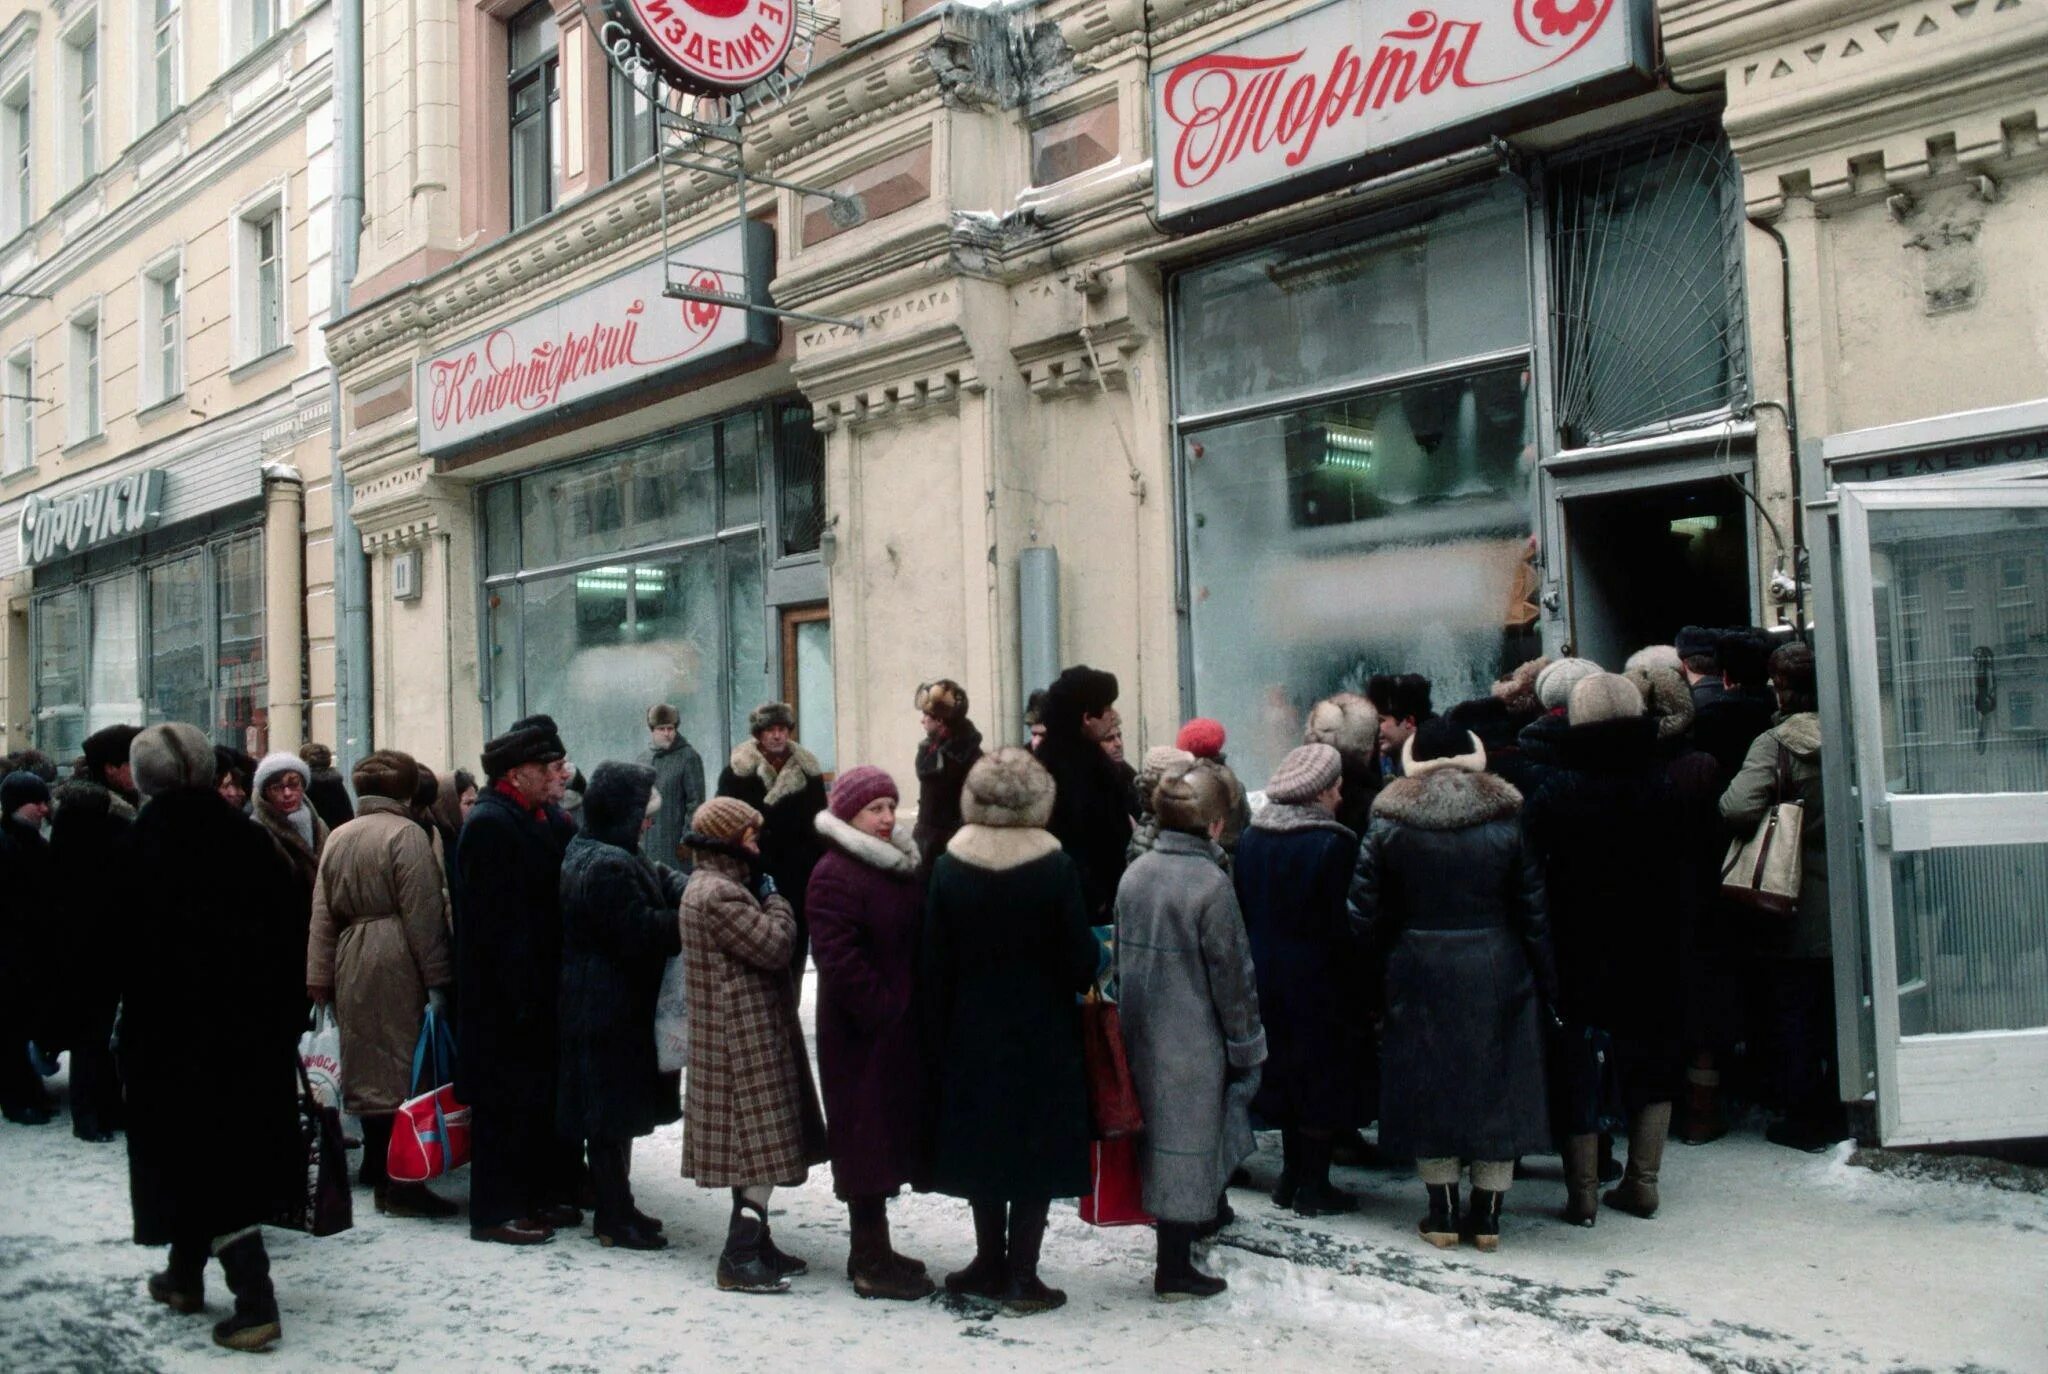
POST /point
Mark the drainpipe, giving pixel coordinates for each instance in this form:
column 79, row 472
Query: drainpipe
column 351, row 570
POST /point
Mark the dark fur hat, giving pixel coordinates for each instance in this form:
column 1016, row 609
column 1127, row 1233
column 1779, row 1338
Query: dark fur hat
column 532, row 740
column 1077, row 692
column 109, row 748
column 388, row 773
column 615, row 803
column 768, row 715
column 663, row 714
column 944, row 700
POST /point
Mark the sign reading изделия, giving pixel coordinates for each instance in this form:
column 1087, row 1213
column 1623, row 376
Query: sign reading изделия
column 1359, row 88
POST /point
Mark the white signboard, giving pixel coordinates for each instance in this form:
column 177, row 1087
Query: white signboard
column 617, row 335
column 1358, row 87
column 59, row 526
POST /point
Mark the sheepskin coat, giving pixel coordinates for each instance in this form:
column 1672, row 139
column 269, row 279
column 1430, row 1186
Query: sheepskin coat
column 1292, row 868
column 1448, row 900
column 380, row 940
column 789, row 799
column 867, row 906
column 751, row 1114
column 1189, row 1005
column 1007, row 949
column 620, row 925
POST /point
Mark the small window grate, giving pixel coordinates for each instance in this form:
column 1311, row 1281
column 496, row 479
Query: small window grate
column 800, row 480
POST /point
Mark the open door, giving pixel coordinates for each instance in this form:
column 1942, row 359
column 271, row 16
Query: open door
column 1945, row 601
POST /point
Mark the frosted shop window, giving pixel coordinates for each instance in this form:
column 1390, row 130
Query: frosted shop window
column 1383, row 525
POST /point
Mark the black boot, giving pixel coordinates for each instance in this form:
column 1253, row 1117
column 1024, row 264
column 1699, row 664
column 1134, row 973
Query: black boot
column 182, row 1286
column 247, row 1267
column 1025, row 1296
column 1484, row 1221
column 1176, row 1279
column 1439, row 1226
column 989, row 1274
column 785, row 1266
column 742, row 1268
column 1290, row 1168
column 1225, row 1214
column 869, row 1262
column 1315, row 1195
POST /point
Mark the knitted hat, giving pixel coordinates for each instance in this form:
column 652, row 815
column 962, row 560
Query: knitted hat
column 388, row 773
column 1602, row 697
column 169, row 757
column 1160, row 760
column 1191, row 797
column 110, row 748
column 1554, row 684
column 1202, row 737
column 1347, row 723
column 663, row 714
column 1666, row 697
column 1439, row 745
column 317, row 756
column 273, row 765
column 1652, row 656
column 533, row 740
column 1008, row 789
column 943, row 700
column 856, row 787
column 21, row 789
column 724, row 820
column 770, row 714
column 1307, row 772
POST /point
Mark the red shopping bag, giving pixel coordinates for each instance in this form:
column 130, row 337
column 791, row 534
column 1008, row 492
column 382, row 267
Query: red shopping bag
column 1115, row 1194
column 430, row 1133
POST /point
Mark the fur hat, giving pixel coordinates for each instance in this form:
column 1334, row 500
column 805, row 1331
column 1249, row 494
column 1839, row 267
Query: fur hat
column 1517, row 691
column 1346, row 722
column 1079, row 691
column 21, row 789
column 317, row 757
column 169, row 757
column 1192, row 797
column 1438, row 745
column 1160, row 760
column 110, row 748
column 227, row 759
column 1602, row 697
column 532, row 740
column 856, row 787
column 1202, row 737
column 724, row 820
column 768, row 715
column 942, row 700
column 1008, row 790
column 1554, row 684
column 615, row 802
column 1408, row 697
column 1652, row 656
column 1666, row 697
column 275, row 764
column 663, row 714
column 1698, row 642
column 1308, row 771
column 388, row 773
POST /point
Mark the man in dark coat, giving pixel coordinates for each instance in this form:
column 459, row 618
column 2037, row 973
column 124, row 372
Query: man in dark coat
column 950, row 747
column 619, row 925
column 508, row 968
column 1094, row 808
column 1404, row 704
column 1728, row 722
column 326, row 791
column 87, row 832
column 678, row 777
column 212, row 1004
column 785, row 783
column 25, row 879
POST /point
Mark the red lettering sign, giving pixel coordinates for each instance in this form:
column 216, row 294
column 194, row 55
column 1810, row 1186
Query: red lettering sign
column 711, row 46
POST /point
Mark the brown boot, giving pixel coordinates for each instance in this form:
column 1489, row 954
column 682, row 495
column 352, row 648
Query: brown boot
column 870, row 1263
column 1581, row 1179
column 1701, row 1120
column 1646, row 1135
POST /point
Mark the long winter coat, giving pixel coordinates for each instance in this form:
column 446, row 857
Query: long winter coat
column 1189, row 1005
column 1093, row 810
column 87, row 831
column 751, row 1115
column 1292, row 869
column 1753, row 791
column 1007, row 948
column 212, row 1004
column 1726, row 723
column 304, row 858
column 789, row 799
column 27, row 947
column 942, row 766
column 1448, row 899
column 619, row 927
column 508, row 952
column 866, row 907
column 679, row 776
column 380, row 940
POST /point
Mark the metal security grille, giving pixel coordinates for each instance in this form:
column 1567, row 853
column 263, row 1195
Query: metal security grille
column 800, row 480
column 1647, row 286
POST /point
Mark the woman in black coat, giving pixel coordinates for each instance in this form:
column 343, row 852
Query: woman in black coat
column 212, row 1004
column 1291, row 870
column 619, row 927
column 1007, row 947
column 1449, row 902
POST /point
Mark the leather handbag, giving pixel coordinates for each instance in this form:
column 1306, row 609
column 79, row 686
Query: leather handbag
column 1112, row 1096
column 1762, row 872
column 1116, row 1193
column 322, row 1206
column 430, row 1133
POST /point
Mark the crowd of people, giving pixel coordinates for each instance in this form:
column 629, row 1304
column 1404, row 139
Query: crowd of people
column 1495, row 932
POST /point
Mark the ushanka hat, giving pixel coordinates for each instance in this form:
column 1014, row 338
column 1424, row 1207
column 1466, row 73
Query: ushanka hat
column 1308, row 771
column 768, row 715
column 169, row 757
column 723, row 820
column 1347, row 723
column 1192, row 797
column 388, row 773
column 856, row 787
column 942, row 700
column 532, row 740
column 664, row 714
column 109, row 748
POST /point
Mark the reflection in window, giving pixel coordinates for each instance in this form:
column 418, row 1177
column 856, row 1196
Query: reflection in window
column 242, row 677
column 60, row 673
column 177, row 642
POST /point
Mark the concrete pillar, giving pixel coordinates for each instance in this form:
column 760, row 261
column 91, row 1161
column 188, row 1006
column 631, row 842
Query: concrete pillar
column 284, row 603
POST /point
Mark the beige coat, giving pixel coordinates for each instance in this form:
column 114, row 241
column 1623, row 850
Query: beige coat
column 380, row 940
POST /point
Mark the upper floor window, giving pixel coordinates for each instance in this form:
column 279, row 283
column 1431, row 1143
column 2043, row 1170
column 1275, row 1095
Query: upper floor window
column 81, row 57
column 83, row 404
column 535, row 101
column 163, row 333
column 17, row 161
column 17, row 387
column 158, row 67
column 256, row 22
column 634, row 132
column 261, row 324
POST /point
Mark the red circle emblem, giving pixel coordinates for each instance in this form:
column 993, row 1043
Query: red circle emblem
column 711, row 46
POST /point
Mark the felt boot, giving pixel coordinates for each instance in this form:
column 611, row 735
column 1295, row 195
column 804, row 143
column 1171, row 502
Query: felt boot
column 182, row 1286
column 1439, row 1225
column 989, row 1274
column 1483, row 1222
column 254, row 1324
column 869, row 1262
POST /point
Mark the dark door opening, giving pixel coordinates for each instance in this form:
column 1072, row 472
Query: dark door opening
column 1645, row 562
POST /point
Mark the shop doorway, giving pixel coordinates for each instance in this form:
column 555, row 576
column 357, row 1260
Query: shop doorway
column 1647, row 560
column 807, row 681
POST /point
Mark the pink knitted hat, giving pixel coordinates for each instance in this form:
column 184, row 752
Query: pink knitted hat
column 856, row 787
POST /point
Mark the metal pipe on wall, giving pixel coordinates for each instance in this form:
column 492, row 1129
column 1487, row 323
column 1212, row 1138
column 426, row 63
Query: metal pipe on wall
column 351, row 568
column 1038, row 619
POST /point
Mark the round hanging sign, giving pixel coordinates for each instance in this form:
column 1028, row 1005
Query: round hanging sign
column 710, row 47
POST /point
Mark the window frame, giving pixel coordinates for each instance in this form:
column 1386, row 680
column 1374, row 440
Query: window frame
column 239, row 34
column 620, row 91
column 83, row 139
column 85, row 375
column 159, row 38
column 251, row 344
column 153, row 388
column 18, row 157
column 546, row 70
column 18, row 429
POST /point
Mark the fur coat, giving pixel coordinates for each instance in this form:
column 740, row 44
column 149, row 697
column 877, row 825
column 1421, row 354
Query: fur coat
column 789, row 799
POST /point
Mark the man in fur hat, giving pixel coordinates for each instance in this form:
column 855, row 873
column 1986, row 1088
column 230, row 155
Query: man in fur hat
column 951, row 746
column 783, row 781
column 1094, row 810
column 678, row 779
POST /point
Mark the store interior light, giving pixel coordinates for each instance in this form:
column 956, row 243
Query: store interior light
column 612, row 581
column 1346, row 449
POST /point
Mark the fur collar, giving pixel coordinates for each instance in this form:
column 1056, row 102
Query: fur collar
column 894, row 855
column 1287, row 818
column 1001, row 847
column 795, row 774
column 1447, row 799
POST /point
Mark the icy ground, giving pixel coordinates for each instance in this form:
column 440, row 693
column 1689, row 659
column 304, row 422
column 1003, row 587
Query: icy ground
column 1760, row 1260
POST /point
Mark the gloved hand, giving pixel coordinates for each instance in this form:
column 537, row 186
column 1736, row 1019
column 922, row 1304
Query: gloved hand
column 764, row 886
column 437, row 1001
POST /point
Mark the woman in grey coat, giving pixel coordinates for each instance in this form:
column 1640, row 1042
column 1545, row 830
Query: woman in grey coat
column 1190, row 1011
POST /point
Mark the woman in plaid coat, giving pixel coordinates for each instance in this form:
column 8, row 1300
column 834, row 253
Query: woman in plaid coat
column 750, row 1117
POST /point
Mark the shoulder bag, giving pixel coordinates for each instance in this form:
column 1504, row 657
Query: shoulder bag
column 1762, row 872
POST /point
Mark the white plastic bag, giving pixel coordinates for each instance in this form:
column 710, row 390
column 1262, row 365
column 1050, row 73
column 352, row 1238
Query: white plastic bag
column 672, row 1021
column 320, row 1052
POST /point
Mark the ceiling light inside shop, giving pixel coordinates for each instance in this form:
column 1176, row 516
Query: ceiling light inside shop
column 1347, row 449
column 612, row 581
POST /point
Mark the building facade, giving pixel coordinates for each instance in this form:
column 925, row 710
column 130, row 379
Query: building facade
column 165, row 399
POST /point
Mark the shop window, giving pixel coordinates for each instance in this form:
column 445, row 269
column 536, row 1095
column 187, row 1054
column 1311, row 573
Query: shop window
column 17, row 160
column 157, row 69
column 1334, row 311
column 262, row 324
column 893, row 184
column 534, row 84
column 1647, row 285
column 18, row 405
column 162, row 366
column 241, row 676
column 1069, row 146
column 114, row 681
column 83, row 403
column 634, row 132
column 81, row 75
column 60, row 672
column 800, row 481
column 177, row 642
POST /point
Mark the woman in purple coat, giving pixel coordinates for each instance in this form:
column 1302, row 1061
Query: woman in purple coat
column 865, row 906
